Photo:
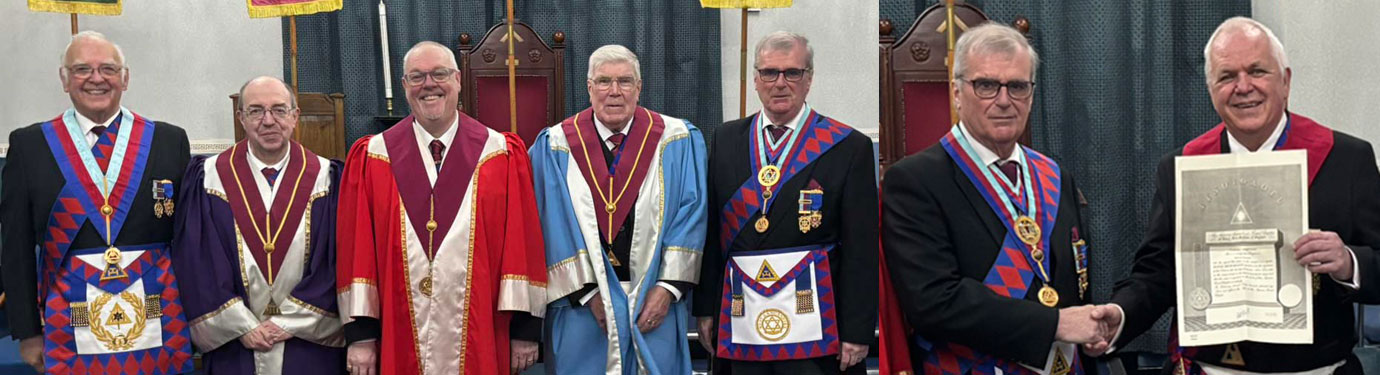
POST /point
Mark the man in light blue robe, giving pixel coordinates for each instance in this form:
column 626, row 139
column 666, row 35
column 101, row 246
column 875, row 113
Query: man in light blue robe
column 621, row 192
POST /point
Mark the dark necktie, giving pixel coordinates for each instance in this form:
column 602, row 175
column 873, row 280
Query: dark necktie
column 616, row 139
column 1011, row 169
column 776, row 132
column 98, row 130
column 271, row 175
column 438, row 150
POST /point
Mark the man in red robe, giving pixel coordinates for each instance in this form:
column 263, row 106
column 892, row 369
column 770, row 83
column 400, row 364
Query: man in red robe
column 440, row 267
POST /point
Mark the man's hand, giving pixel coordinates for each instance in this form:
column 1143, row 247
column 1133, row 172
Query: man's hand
column 1076, row 325
column 524, row 355
column 256, row 340
column 654, row 310
column 31, row 351
column 596, row 306
column 1109, row 322
column 706, row 329
column 274, row 333
column 362, row 358
column 1324, row 253
column 851, row 354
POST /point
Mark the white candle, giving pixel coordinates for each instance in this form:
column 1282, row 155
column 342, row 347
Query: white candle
column 383, row 43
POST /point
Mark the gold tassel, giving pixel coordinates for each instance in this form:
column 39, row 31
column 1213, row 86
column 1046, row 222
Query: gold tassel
column 737, row 308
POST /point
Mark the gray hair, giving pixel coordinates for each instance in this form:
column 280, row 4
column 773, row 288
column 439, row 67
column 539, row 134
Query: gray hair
column 614, row 53
column 292, row 99
column 991, row 38
column 91, row 35
column 1237, row 24
column 784, row 41
column 427, row 44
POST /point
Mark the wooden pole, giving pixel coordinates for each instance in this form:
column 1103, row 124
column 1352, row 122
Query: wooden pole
column 742, row 69
column 952, row 24
column 74, row 24
column 512, row 73
column 292, row 36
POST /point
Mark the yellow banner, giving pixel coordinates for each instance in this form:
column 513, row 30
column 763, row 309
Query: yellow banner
column 284, row 8
column 739, row 4
column 97, row 7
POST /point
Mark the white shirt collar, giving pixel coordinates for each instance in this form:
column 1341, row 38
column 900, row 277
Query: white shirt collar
column 790, row 124
column 267, row 192
column 259, row 165
column 605, row 132
column 1236, row 147
column 424, row 139
column 987, row 156
column 88, row 124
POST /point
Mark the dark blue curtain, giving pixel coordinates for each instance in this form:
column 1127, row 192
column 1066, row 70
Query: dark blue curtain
column 676, row 41
column 1120, row 85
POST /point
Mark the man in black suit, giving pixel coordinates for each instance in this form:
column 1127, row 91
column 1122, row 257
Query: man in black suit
column 87, row 198
column 1248, row 79
column 789, row 281
column 982, row 236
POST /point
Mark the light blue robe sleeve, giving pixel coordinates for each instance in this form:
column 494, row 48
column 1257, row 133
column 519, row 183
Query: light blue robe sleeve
column 683, row 231
column 567, row 261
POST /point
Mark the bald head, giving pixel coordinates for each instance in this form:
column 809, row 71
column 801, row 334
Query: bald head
column 268, row 84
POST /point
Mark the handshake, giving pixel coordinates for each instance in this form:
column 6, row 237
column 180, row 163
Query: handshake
column 1093, row 326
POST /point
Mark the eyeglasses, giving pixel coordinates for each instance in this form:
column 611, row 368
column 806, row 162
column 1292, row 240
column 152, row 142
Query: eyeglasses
column 255, row 114
column 605, row 83
column 989, row 88
column 792, row 75
column 83, row 71
column 439, row 76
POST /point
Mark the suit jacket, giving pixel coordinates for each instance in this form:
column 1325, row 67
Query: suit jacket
column 30, row 184
column 846, row 175
column 941, row 238
column 1344, row 198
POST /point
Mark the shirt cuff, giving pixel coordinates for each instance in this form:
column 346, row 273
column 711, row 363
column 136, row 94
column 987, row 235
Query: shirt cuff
column 1355, row 283
column 1122, row 324
column 588, row 296
column 675, row 292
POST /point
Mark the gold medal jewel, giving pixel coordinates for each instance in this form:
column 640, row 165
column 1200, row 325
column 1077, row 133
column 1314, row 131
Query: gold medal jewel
column 769, row 175
column 1048, row 296
column 112, row 259
column 1027, row 230
column 425, row 286
column 762, row 224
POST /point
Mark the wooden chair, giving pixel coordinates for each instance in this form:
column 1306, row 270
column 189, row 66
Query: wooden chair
column 540, row 80
column 915, row 80
column 320, row 126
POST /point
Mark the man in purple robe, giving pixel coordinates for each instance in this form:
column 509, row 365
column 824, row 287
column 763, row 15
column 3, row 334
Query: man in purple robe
column 257, row 226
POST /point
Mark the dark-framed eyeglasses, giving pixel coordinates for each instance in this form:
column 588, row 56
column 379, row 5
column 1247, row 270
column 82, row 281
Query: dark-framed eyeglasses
column 439, row 76
column 792, row 74
column 989, row 88
column 255, row 114
column 82, row 71
column 605, row 83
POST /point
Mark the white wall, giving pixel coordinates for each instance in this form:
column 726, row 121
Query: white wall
column 844, row 36
column 185, row 59
column 1333, row 47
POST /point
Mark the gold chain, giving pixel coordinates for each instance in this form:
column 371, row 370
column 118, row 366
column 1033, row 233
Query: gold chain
column 268, row 210
column 597, row 187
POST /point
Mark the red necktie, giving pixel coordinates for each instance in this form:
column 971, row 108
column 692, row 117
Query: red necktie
column 776, row 132
column 438, row 150
column 616, row 139
column 1011, row 170
column 271, row 175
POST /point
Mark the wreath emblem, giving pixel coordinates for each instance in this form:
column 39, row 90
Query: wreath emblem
column 117, row 318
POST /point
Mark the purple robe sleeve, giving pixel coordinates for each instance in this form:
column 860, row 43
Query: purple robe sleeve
column 203, row 255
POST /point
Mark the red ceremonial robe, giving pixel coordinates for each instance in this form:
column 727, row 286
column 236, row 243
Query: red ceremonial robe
column 488, row 258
